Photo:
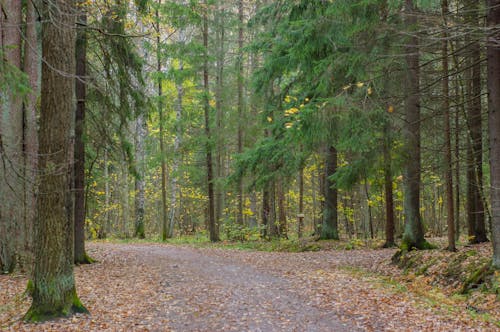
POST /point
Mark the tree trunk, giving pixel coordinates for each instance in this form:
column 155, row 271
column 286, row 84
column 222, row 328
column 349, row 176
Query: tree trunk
column 282, row 223
column 212, row 226
column 32, row 66
column 53, row 289
column 164, row 217
column 389, row 197
column 239, row 66
column 140, row 182
column 272, row 225
column 493, row 59
column 329, row 228
column 79, row 151
column 266, row 212
column 252, row 222
column 413, row 236
column 177, row 143
column 475, row 204
column 450, row 221
column 219, row 116
column 124, row 197
column 11, row 129
column 107, row 196
column 300, row 217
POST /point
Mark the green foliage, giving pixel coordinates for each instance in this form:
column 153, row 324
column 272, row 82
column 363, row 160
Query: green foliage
column 237, row 232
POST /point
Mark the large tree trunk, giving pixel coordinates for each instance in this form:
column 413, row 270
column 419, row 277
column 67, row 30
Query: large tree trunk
column 447, row 135
column 11, row 131
column 493, row 58
column 475, row 203
column 212, row 224
column 32, row 67
column 79, row 152
column 413, row 236
column 329, row 228
column 53, row 291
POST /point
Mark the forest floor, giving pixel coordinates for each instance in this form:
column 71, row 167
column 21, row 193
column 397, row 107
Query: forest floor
column 164, row 287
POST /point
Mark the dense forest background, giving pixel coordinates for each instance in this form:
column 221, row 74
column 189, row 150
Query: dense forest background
column 245, row 120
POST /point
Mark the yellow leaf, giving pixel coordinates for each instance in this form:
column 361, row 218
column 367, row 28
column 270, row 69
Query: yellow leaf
column 269, row 119
column 390, row 109
column 360, row 84
column 370, row 91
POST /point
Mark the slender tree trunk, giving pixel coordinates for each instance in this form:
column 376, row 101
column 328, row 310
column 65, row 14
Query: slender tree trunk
column 447, row 134
column 219, row 115
column 253, row 207
column 458, row 103
column 32, row 67
column 176, row 158
column 11, row 130
column 493, row 58
column 79, row 152
column 140, row 182
column 389, row 197
column 282, row 227
column 124, row 204
column 369, row 208
column 272, row 224
column 53, row 291
column 239, row 66
column 329, row 228
column 300, row 217
column 107, row 195
column 212, row 226
column 266, row 212
column 164, row 217
column 413, row 236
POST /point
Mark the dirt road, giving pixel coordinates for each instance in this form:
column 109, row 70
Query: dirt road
column 152, row 287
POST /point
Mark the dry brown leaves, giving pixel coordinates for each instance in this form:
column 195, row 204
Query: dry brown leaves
column 162, row 288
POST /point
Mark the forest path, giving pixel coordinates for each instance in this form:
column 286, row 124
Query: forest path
column 154, row 287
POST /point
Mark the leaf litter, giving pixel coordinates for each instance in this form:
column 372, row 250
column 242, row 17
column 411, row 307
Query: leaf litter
column 157, row 287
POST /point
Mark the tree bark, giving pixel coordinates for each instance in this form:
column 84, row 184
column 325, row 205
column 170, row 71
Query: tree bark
column 79, row 150
column 447, row 133
column 11, row 130
column 329, row 228
column 164, row 217
column 413, row 236
column 53, row 287
column 239, row 65
column 219, row 115
column 32, row 67
column 212, row 226
column 493, row 60
column 282, row 222
column 140, row 182
column 475, row 203
column 177, row 143
column 388, row 190
column 300, row 217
